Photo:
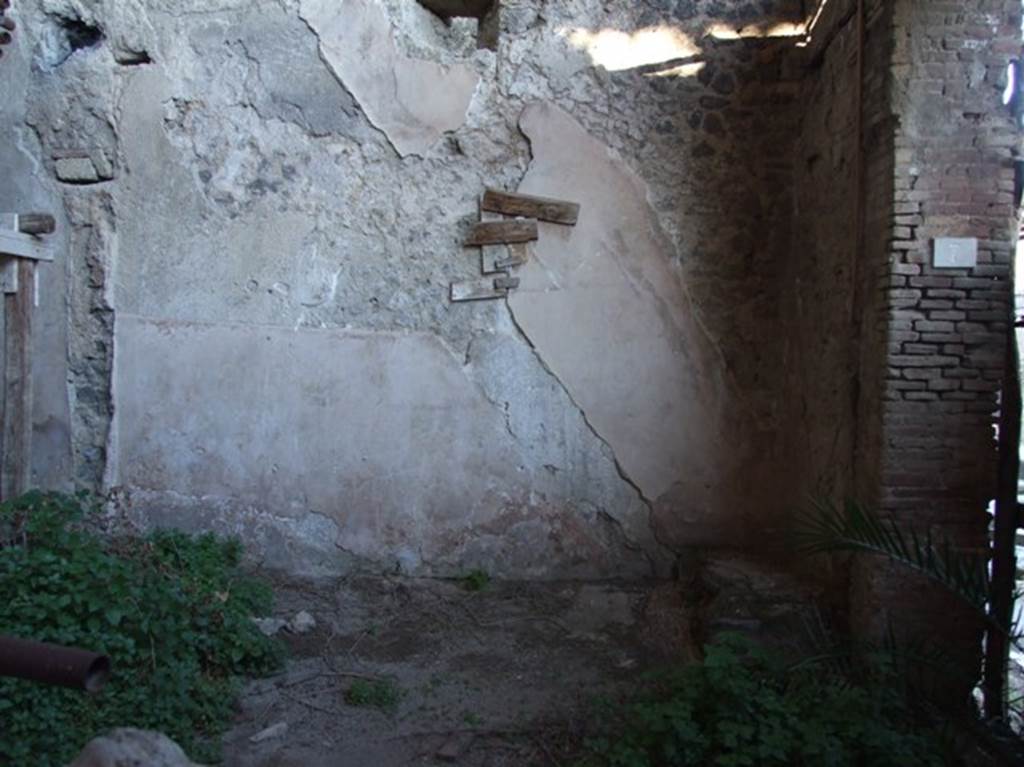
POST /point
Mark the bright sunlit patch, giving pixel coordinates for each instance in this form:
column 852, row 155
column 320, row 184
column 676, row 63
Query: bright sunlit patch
column 1011, row 84
column 816, row 18
column 616, row 50
column 684, row 70
column 785, row 29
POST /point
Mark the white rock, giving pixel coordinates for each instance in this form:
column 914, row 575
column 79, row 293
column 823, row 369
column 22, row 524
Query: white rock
column 269, row 626
column 278, row 730
column 302, row 623
column 132, row 747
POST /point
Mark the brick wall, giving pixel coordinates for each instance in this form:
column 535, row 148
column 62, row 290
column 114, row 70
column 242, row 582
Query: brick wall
column 819, row 274
column 833, row 358
column 894, row 366
column 943, row 331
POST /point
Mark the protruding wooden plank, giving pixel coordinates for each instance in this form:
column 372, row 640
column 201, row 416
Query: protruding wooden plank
column 24, row 246
column 477, row 290
column 498, row 232
column 36, row 223
column 540, row 208
column 16, row 415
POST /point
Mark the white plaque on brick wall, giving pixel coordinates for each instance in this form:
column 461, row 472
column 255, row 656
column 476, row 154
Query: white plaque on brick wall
column 955, row 253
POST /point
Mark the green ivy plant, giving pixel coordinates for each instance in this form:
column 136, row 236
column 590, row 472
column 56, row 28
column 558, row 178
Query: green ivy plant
column 476, row 580
column 741, row 707
column 173, row 612
column 384, row 694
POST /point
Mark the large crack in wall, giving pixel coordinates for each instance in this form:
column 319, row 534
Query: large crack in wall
column 606, row 284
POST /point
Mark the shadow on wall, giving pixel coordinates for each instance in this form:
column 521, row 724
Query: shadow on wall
column 738, row 223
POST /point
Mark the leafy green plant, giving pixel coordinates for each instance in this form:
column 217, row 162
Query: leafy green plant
column 853, row 528
column 476, row 580
column 743, row 707
column 374, row 693
column 173, row 612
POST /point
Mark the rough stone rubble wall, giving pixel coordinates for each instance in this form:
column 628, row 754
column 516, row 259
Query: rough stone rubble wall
column 262, row 206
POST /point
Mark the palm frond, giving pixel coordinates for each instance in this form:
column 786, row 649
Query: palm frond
column 827, row 528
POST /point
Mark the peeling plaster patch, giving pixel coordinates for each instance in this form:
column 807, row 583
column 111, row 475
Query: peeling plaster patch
column 413, row 101
column 289, row 80
column 608, row 284
column 559, row 449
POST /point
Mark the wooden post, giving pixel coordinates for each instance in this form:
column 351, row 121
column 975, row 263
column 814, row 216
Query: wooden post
column 20, row 248
column 36, row 223
column 16, row 423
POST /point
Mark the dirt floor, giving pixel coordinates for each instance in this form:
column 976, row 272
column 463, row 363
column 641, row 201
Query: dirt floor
column 401, row 671
column 490, row 678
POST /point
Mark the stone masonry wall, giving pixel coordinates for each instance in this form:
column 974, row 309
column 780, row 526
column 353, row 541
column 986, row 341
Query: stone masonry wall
column 261, row 207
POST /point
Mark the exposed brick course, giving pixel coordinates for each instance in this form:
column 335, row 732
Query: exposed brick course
column 952, row 175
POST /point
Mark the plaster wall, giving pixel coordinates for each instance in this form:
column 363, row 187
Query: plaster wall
column 262, row 206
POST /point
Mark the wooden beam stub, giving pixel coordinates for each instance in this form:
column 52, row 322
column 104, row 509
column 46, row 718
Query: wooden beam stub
column 541, row 208
column 24, row 246
column 36, row 223
column 503, row 232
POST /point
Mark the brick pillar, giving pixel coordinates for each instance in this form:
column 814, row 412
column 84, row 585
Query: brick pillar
column 928, row 426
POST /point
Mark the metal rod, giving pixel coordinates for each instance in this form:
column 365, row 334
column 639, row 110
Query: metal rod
column 53, row 664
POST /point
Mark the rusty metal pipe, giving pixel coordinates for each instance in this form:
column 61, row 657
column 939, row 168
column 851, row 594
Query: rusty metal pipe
column 53, row 664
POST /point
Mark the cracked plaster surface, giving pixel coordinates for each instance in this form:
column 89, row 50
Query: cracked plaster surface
column 254, row 193
column 423, row 466
column 608, row 284
column 414, row 101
